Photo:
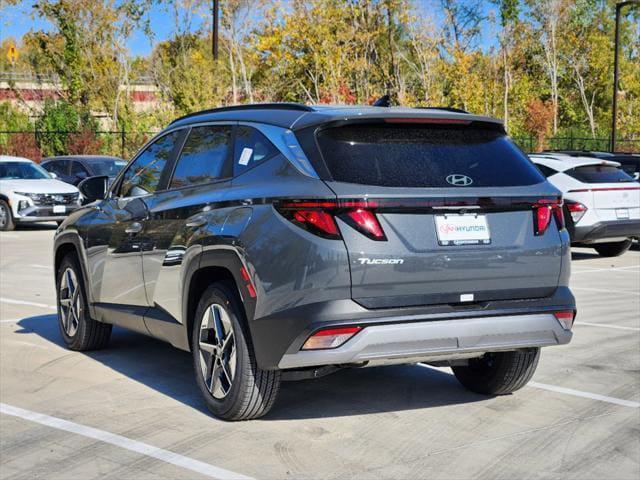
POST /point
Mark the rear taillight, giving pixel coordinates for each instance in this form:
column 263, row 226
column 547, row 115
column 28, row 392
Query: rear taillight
column 565, row 318
column 366, row 222
column 543, row 212
column 576, row 209
column 319, row 216
column 330, row 338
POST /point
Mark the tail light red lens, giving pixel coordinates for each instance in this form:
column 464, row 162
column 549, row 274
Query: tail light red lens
column 576, row 209
column 544, row 211
column 366, row 222
column 565, row 318
column 319, row 221
column 330, row 338
column 318, row 217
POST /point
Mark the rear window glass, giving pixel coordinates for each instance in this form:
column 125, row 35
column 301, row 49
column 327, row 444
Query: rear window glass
column 409, row 155
column 599, row 174
column 546, row 171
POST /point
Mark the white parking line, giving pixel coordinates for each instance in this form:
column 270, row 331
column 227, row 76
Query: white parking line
column 48, row 267
column 24, row 302
column 123, row 442
column 566, row 391
column 578, row 393
column 629, row 269
column 604, row 325
column 605, row 290
column 10, row 320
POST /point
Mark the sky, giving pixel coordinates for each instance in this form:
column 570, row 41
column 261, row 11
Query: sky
column 17, row 20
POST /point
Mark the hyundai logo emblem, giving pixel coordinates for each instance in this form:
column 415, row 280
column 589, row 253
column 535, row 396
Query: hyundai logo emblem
column 459, row 180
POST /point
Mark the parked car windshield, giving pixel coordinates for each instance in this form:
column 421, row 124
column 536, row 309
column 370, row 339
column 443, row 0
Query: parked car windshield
column 23, row 171
column 111, row 168
column 410, row 155
column 599, row 174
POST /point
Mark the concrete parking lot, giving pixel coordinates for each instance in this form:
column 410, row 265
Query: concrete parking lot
column 133, row 410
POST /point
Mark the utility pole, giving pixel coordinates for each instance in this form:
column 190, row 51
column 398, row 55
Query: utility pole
column 215, row 29
column 614, row 113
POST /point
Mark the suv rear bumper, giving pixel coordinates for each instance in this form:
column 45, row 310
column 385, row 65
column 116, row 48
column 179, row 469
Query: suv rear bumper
column 409, row 332
column 440, row 339
column 604, row 230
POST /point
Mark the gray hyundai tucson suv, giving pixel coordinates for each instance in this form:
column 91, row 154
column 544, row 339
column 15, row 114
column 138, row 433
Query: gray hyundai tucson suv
column 283, row 241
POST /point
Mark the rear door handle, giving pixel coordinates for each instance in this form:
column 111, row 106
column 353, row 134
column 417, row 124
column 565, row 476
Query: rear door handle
column 135, row 227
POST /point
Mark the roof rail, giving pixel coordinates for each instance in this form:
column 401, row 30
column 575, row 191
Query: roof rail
column 250, row 106
column 448, row 109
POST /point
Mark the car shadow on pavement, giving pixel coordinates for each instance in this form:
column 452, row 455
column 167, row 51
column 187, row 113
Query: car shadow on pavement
column 584, row 255
column 362, row 391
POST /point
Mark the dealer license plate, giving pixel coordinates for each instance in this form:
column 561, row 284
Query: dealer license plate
column 462, row 230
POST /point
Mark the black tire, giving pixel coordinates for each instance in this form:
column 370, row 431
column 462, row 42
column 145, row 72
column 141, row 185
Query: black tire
column 252, row 391
column 79, row 331
column 499, row 373
column 613, row 249
column 6, row 217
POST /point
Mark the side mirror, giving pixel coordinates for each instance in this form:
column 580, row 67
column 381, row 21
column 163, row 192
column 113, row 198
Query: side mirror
column 53, row 175
column 94, row 188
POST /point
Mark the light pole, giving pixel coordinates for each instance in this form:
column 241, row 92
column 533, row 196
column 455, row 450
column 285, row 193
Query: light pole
column 214, row 30
column 614, row 113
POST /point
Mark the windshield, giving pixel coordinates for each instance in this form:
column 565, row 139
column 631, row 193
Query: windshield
column 107, row 167
column 23, row 171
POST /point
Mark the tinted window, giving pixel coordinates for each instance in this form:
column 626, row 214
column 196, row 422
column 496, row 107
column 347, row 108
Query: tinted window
column 599, row 174
column 409, row 155
column 77, row 170
column 203, row 156
column 107, row 167
column 59, row 167
column 251, row 147
column 546, row 171
column 143, row 175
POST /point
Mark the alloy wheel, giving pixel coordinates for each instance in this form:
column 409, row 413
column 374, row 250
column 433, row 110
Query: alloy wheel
column 217, row 351
column 70, row 302
column 4, row 216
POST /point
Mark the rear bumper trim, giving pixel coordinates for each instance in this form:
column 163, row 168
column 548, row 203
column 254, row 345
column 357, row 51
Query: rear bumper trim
column 437, row 339
column 603, row 230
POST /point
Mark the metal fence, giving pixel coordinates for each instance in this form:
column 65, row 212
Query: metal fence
column 37, row 144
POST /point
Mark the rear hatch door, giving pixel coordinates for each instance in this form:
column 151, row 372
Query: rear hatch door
column 616, row 195
column 457, row 209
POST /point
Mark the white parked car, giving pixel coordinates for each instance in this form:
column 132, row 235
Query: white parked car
column 601, row 201
column 28, row 194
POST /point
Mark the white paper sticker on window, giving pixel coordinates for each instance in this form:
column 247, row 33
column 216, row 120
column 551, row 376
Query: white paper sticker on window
column 245, row 156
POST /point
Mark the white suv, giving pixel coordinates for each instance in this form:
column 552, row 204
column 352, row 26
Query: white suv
column 28, row 193
column 601, row 201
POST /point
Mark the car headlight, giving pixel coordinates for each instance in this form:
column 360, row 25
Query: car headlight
column 32, row 196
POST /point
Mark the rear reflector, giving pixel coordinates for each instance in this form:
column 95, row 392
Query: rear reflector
column 576, row 209
column 565, row 318
column 330, row 338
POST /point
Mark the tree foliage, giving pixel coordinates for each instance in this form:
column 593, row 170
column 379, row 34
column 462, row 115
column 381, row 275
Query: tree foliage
column 544, row 54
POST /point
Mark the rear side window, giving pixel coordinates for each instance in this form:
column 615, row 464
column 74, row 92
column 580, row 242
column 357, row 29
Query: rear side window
column 599, row 174
column 203, row 156
column 251, row 148
column 546, row 171
column 410, row 155
column 59, row 167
